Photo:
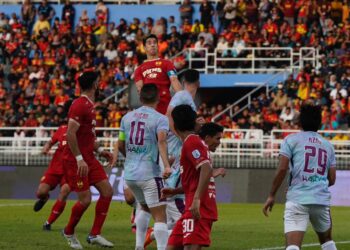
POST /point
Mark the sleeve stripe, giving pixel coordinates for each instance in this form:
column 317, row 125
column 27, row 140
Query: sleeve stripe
column 202, row 163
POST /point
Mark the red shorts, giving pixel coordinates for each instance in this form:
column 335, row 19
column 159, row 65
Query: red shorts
column 53, row 179
column 80, row 184
column 188, row 231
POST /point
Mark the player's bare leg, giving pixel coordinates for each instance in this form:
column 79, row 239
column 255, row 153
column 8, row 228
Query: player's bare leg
column 42, row 194
column 160, row 227
column 131, row 201
column 106, row 193
column 58, row 207
column 294, row 240
column 326, row 241
column 84, row 200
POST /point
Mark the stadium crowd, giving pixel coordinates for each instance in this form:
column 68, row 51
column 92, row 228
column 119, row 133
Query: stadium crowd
column 42, row 56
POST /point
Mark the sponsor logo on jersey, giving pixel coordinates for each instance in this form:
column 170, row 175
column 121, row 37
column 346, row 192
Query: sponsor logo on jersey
column 196, row 154
column 137, row 150
column 80, row 184
column 151, row 72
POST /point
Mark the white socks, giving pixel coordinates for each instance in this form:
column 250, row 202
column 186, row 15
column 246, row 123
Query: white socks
column 142, row 221
column 292, row 247
column 161, row 235
column 329, row 245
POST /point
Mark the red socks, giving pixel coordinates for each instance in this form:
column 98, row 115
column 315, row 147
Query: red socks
column 77, row 211
column 100, row 214
column 56, row 211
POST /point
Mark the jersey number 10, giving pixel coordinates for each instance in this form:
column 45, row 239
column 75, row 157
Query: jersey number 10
column 137, row 138
column 311, row 151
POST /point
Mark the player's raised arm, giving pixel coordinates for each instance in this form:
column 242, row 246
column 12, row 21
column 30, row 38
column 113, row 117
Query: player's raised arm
column 175, row 83
column 279, row 177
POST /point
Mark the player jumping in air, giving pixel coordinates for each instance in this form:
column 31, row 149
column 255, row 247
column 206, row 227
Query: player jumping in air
column 310, row 161
column 160, row 72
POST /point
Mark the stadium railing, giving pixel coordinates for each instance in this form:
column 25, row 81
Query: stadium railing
column 240, row 148
column 250, row 60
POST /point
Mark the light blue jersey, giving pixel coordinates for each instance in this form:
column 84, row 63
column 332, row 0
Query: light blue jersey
column 141, row 127
column 311, row 157
column 174, row 143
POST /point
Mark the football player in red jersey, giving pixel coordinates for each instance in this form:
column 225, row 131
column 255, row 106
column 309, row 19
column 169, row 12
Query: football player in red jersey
column 160, row 72
column 192, row 231
column 81, row 168
column 52, row 177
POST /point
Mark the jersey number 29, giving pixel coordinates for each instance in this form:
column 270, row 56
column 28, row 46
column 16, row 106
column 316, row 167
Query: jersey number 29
column 311, row 151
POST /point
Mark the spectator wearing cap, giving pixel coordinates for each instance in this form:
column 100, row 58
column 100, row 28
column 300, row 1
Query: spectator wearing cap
column 186, row 11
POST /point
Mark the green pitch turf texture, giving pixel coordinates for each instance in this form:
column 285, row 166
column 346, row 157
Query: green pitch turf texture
column 240, row 226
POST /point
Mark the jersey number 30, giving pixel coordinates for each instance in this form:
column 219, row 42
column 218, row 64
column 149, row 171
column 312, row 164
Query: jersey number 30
column 137, row 137
column 311, row 151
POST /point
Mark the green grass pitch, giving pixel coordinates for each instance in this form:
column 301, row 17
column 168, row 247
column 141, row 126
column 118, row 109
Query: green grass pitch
column 240, row 226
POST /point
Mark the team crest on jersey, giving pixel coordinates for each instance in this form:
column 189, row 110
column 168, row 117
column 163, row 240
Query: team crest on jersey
column 158, row 63
column 80, row 184
column 196, row 154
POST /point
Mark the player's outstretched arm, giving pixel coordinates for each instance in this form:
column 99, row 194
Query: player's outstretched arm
column 279, row 177
column 170, row 192
column 139, row 85
column 204, row 178
column 175, row 83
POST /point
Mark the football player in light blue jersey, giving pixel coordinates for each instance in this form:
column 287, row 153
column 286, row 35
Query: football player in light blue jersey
column 142, row 137
column 310, row 160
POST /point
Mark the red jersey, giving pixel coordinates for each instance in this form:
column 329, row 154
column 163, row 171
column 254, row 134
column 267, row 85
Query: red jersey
column 83, row 112
column 58, row 137
column 193, row 155
column 157, row 71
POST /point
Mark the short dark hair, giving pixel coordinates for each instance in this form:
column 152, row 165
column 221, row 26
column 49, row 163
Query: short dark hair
column 149, row 37
column 210, row 129
column 149, row 94
column 87, row 79
column 191, row 76
column 184, row 118
column 310, row 117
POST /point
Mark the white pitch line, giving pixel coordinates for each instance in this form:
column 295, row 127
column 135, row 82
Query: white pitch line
column 15, row 205
column 304, row 246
